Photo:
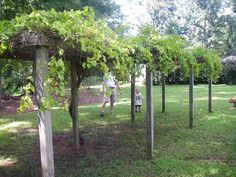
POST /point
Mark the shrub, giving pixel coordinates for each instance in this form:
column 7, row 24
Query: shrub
column 91, row 80
column 229, row 70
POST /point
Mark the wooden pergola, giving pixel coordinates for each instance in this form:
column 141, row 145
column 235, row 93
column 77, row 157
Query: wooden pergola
column 149, row 104
column 39, row 49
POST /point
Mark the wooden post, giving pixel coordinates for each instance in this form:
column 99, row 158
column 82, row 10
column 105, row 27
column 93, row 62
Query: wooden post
column 210, row 96
column 74, row 105
column 34, row 72
column 191, row 104
column 149, row 110
column 44, row 117
column 0, row 89
column 132, row 98
column 163, row 85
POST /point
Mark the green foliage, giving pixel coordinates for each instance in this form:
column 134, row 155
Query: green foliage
column 209, row 61
column 14, row 75
column 90, row 81
column 26, row 101
column 206, row 22
column 97, row 44
column 229, row 70
column 78, row 29
column 103, row 8
column 161, row 53
column 55, row 84
column 168, row 53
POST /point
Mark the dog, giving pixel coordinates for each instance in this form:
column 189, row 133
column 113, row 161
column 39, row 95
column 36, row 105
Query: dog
column 233, row 100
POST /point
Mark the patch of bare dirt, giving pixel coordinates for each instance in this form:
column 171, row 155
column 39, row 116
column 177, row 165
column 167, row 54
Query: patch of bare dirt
column 63, row 146
column 89, row 96
column 11, row 104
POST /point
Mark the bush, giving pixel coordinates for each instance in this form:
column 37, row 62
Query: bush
column 229, row 70
column 14, row 75
column 89, row 81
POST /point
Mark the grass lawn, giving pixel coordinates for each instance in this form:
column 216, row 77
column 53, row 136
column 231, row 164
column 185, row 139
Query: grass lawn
column 114, row 148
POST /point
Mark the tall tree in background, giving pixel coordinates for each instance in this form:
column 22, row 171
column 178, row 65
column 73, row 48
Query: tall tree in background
column 230, row 47
column 103, row 8
column 200, row 21
column 163, row 15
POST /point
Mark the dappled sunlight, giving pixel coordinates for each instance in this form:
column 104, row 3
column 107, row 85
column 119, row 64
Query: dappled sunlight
column 175, row 101
column 221, row 118
column 216, row 144
column 233, row 108
column 113, row 139
column 123, row 103
column 225, row 93
column 211, row 117
column 200, row 86
column 206, row 98
column 90, row 106
column 214, row 171
column 84, row 113
column 4, row 121
column 190, row 144
column 7, row 162
column 13, row 126
column 55, row 108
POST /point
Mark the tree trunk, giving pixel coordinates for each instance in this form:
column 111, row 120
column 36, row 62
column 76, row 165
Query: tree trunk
column 210, row 96
column 149, row 111
column 163, row 84
column 44, row 117
column 132, row 98
column 191, row 104
column 74, row 105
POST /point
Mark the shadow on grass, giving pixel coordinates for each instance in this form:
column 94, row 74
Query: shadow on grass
column 114, row 148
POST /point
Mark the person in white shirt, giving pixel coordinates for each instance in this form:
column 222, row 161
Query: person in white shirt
column 138, row 100
column 108, row 88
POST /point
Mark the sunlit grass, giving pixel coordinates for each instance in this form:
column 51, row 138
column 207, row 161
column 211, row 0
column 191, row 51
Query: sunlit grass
column 209, row 149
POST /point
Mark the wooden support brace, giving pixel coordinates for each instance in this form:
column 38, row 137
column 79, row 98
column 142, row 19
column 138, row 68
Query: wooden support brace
column 74, row 105
column 44, row 117
column 149, row 110
column 132, row 98
column 210, row 96
column 163, row 85
column 0, row 89
column 191, row 96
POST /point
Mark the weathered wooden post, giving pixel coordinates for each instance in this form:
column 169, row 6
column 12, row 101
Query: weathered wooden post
column 149, row 110
column 132, row 98
column 74, row 104
column 0, row 89
column 163, row 86
column 210, row 96
column 44, row 117
column 191, row 104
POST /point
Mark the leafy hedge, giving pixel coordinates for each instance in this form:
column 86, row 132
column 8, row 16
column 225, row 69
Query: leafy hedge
column 229, row 70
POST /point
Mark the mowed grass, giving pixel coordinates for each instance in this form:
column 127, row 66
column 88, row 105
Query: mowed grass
column 209, row 149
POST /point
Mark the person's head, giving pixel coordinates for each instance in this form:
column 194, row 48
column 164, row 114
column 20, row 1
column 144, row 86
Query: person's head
column 137, row 90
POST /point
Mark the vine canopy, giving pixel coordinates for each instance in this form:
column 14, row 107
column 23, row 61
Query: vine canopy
column 91, row 39
column 208, row 60
column 167, row 53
